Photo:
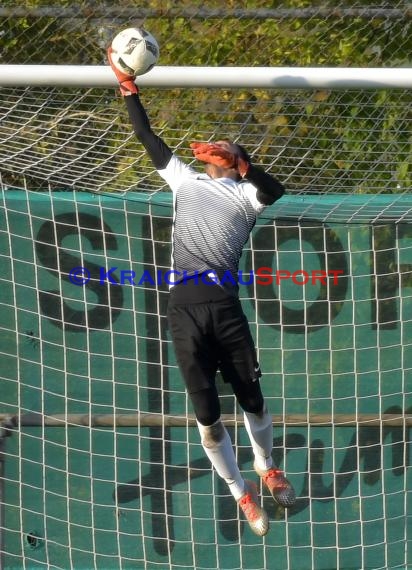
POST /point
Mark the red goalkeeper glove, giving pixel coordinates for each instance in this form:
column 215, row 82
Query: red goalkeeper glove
column 126, row 82
column 216, row 154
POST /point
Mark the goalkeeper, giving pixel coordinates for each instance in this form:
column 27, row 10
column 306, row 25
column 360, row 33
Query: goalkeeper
column 214, row 213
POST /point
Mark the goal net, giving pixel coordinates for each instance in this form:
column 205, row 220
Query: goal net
column 100, row 460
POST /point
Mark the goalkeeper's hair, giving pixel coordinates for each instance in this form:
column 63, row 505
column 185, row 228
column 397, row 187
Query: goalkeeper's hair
column 243, row 153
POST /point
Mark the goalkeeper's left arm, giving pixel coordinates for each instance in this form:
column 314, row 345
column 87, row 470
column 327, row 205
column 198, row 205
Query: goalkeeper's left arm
column 160, row 154
column 158, row 151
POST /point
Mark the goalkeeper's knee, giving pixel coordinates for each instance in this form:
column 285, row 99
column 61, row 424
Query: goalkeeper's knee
column 212, row 435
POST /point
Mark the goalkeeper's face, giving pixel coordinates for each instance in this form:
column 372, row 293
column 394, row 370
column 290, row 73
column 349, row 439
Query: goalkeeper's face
column 215, row 171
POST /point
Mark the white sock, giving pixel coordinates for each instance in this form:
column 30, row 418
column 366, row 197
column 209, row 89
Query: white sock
column 220, row 452
column 260, row 431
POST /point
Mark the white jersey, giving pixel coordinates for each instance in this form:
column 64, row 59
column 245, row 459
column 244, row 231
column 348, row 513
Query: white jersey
column 212, row 221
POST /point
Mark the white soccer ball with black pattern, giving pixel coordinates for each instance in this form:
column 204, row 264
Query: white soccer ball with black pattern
column 135, row 51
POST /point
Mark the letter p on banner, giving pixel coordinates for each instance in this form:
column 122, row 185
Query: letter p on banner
column 282, row 274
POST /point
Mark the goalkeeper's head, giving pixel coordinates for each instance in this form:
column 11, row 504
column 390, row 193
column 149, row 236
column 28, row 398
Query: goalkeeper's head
column 223, row 159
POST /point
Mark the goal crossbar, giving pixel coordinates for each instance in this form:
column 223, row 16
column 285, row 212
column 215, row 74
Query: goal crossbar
column 214, row 77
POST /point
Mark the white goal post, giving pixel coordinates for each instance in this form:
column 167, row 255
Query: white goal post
column 212, row 77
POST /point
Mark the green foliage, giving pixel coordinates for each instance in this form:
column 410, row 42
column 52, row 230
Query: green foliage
column 239, row 35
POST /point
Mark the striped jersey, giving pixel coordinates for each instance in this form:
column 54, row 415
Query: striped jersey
column 212, row 221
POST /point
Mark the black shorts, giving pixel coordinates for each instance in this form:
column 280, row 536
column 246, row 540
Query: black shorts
column 210, row 336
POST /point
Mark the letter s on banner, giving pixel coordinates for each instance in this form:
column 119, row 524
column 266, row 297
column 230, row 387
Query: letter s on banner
column 264, row 276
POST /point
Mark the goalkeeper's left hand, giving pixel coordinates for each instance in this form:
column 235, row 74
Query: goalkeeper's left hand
column 213, row 153
column 126, row 82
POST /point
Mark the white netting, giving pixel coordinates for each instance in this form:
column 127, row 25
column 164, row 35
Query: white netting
column 95, row 472
column 317, row 141
column 322, row 141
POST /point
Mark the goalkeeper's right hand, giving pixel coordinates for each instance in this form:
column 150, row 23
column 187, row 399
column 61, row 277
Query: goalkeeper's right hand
column 126, row 82
column 214, row 153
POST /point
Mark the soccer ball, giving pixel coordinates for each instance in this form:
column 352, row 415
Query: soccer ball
column 135, row 51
